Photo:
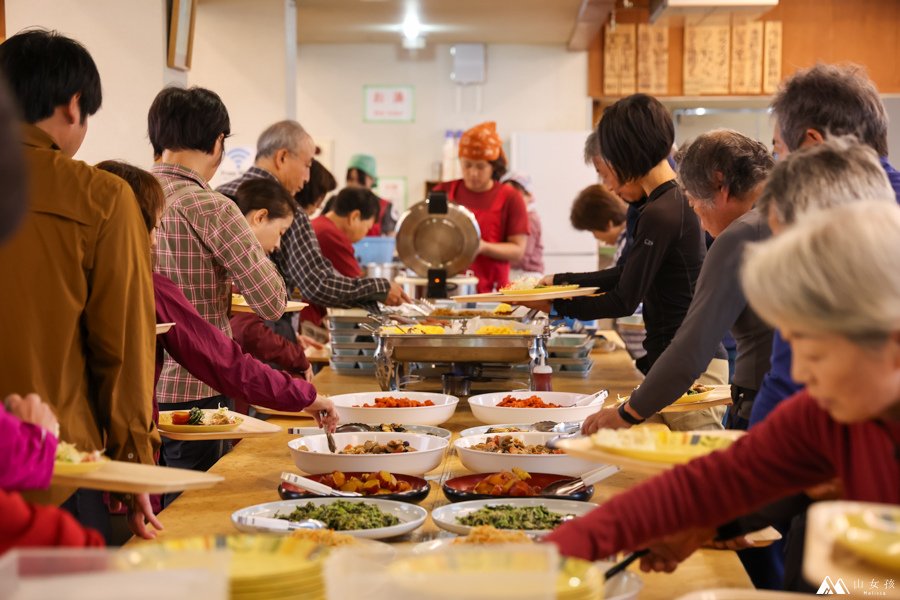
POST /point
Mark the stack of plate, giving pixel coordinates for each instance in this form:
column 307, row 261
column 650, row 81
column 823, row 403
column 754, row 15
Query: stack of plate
column 578, row 580
column 352, row 347
column 570, row 354
column 262, row 566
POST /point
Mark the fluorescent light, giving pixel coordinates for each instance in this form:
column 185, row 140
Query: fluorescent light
column 411, row 26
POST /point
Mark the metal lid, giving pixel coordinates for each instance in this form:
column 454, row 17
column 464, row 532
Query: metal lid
column 437, row 234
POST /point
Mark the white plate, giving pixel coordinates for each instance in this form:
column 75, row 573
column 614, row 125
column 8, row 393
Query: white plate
column 445, row 516
column 740, row 594
column 420, row 429
column 317, row 459
column 163, row 327
column 484, row 408
column 349, row 408
column 480, row 461
column 411, row 516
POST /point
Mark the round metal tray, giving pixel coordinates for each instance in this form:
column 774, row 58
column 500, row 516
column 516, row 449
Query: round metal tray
column 437, row 240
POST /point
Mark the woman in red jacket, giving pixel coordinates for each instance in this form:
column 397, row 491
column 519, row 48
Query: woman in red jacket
column 498, row 208
column 832, row 287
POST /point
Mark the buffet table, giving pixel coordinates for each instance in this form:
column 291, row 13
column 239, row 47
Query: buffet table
column 252, row 473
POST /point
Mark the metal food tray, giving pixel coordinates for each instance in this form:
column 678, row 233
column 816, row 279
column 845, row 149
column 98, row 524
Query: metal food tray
column 458, row 347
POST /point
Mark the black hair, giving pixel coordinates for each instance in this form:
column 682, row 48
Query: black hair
column 355, row 198
column 258, row 194
column 45, row 69
column 498, row 167
column 320, row 183
column 187, row 119
column 357, row 175
column 636, row 134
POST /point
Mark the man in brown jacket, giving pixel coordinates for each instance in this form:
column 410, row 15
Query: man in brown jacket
column 78, row 318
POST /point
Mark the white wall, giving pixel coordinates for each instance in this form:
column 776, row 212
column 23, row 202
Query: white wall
column 239, row 54
column 528, row 88
column 127, row 39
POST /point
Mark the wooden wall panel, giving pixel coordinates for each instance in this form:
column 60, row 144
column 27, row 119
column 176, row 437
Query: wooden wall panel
column 861, row 31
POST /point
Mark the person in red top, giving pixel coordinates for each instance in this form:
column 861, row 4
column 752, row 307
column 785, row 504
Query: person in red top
column 845, row 424
column 269, row 210
column 499, row 209
column 353, row 211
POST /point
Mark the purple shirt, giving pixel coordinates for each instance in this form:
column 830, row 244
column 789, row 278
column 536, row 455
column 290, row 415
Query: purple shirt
column 217, row 360
column 26, row 454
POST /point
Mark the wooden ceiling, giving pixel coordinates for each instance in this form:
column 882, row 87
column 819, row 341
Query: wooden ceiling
column 448, row 21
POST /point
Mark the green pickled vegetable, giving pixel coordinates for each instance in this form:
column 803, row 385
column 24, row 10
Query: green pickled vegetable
column 195, row 417
column 505, row 516
column 342, row 515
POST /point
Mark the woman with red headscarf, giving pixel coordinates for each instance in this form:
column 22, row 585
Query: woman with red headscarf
column 498, row 208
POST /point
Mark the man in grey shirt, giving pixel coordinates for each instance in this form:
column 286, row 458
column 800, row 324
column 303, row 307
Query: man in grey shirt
column 722, row 172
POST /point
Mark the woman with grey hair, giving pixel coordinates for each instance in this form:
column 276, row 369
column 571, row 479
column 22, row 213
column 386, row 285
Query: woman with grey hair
column 722, row 173
column 832, row 286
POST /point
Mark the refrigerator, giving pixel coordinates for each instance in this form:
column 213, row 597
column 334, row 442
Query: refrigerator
column 555, row 162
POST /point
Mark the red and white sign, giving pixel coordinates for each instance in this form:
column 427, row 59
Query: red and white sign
column 388, row 103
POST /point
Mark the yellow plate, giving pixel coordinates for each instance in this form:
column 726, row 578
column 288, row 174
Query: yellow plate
column 548, row 289
column 873, row 536
column 691, row 398
column 673, row 451
column 165, row 424
column 67, row 468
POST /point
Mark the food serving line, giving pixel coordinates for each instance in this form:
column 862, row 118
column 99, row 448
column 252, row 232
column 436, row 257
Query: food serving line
column 252, row 473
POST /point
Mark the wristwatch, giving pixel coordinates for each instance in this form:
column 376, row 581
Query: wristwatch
column 628, row 417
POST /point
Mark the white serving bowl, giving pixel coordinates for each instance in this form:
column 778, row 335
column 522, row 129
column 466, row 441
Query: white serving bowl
column 349, row 408
column 317, row 458
column 484, row 408
column 480, row 461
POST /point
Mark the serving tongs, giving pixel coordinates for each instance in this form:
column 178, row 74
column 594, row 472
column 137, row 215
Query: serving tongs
column 315, row 487
column 271, row 524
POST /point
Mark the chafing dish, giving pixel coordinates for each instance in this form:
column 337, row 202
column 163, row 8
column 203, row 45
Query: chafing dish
column 396, row 352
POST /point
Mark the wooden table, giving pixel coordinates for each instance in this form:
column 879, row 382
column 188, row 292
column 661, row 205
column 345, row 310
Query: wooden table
column 252, row 472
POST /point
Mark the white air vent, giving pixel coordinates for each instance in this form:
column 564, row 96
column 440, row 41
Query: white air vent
column 699, row 11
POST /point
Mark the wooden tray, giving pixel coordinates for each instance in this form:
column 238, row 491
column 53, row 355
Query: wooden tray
column 134, row 478
column 513, row 298
column 719, row 395
column 250, row 427
column 163, row 327
column 819, row 561
column 583, row 447
column 291, row 306
column 281, row 413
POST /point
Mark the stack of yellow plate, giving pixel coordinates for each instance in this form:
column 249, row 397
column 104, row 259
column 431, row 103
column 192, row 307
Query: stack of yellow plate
column 872, row 535
column 661, row 446
column 579, row 580
column 262, row 566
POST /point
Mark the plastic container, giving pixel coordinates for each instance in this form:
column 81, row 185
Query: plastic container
column 105, row 574
column 379, row 250
column 448, row 157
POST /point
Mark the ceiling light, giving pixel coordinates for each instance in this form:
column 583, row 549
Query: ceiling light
column 411, row 26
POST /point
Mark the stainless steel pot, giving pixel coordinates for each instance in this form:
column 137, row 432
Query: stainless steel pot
column 417, row 287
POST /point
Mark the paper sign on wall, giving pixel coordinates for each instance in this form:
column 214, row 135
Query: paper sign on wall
column 388, row 104
column 393, row 189
column 234, row 163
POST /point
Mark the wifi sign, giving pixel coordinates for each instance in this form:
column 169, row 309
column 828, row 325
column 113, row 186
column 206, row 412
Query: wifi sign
column 238, row 156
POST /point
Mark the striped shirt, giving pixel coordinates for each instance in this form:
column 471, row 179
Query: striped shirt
column 204, row 244
column 304, row 267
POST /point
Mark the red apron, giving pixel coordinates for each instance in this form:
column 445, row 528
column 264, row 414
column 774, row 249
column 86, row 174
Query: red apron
column 492, row 273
